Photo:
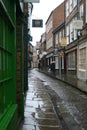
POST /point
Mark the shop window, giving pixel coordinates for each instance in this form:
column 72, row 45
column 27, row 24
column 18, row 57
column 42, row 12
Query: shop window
column 71, row 61
column 82, row 59
column 56, row 61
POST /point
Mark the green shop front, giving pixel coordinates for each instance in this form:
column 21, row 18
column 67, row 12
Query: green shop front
column 8, row 87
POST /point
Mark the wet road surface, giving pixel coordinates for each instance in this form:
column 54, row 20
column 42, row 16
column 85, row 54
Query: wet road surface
column 39, row 111
column 49, row 101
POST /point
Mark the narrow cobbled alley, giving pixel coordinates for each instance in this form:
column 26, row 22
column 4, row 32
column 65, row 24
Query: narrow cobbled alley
column 53, row 105
column 39, row 110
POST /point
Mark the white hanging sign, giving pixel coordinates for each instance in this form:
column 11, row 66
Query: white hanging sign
column 78, row 24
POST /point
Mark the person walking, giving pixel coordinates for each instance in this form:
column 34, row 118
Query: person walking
column 53, row 67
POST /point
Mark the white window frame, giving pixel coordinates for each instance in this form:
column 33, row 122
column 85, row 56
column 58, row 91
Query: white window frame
column 75, row 3
column 82, row 59
column 49, row 43
column 86, row 12
column 71, row 6
column 81, row 11
column 56, row 39
column 67, row 8
column 67, row 33
column 71, row 61
column 60, row 35
column 71, row 30
column 48, row 28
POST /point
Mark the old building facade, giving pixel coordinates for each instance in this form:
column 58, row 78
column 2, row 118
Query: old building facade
column 76, row 50
column 59, row 48
column 42, row 51
column 35, row 57
column 82, row 47
column 55, row 18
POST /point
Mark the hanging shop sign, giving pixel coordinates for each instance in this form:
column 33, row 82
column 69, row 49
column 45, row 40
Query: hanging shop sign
column 78, row 24
column 37, row 23
column 63, row 41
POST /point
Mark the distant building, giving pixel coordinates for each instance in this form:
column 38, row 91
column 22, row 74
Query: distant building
column 35, row 57
column 42, row 50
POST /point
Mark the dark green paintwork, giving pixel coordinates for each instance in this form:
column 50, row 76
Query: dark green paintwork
column 8, row 107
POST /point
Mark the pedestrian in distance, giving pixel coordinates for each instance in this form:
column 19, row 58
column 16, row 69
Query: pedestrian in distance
column 39, row 66
column 53, row 67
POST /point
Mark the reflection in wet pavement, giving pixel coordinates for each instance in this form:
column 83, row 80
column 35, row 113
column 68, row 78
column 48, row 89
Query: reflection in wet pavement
column 39, row 112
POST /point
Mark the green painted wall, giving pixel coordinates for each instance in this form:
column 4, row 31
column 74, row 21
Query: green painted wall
column 8, row 106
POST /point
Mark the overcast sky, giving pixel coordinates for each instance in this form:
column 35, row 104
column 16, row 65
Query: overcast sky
column 42, row 10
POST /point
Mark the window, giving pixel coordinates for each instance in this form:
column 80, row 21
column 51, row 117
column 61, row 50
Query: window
column 81, row 11
column 75, row 30
column 67, row 8
column 82, row 58
column 49, row 27
column 75, row 34
column 71, row 6
column 67, row 34
column 75, row 3
column 71, row 60
column 49, row 43
column 60, row 35
column 56, row 39
column 71, row 32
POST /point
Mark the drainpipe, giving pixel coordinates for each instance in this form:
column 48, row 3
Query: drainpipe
column 27, row 54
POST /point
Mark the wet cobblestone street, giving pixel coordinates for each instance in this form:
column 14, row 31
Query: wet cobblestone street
column 53, row 105
column 39, row 112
